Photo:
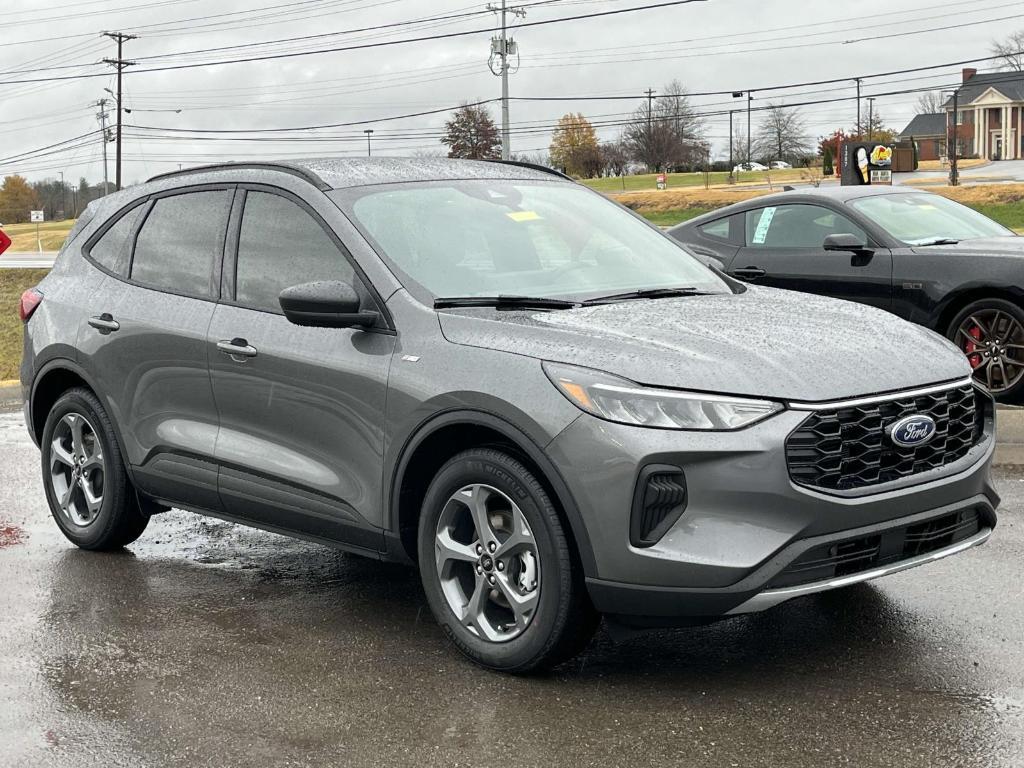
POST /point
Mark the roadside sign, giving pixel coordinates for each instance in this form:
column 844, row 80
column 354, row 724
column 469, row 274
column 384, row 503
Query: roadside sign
column 37, row 216
column 662, row 181
column 5, row 241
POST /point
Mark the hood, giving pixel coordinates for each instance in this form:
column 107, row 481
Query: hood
column 1011, row 245
column 762, row 343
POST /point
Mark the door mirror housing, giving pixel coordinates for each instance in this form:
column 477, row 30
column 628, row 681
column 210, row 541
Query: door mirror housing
column 325, row 304
column 845, row 242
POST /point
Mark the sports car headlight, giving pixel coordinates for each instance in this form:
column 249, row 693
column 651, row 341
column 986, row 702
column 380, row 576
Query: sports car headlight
column 616, row 399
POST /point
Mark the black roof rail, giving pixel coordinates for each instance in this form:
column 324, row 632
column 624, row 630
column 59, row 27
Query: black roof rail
column 295, row 170
column 535, row 167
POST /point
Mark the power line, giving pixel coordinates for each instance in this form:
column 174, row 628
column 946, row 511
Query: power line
column 366, row 46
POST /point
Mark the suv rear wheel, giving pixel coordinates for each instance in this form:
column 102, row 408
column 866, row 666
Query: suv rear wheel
column 86, row 484
column 497, row 568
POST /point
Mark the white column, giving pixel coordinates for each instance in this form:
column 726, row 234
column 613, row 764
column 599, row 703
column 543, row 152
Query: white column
column 977, row 130
column 1020, row 126
column 1005, row 127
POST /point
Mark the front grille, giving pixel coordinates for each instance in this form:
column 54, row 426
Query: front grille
column 847, row 448
column 852, row 556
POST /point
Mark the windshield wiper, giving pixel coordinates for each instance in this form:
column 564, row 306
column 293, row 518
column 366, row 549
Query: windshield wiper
column 505, row 302
column 938, row 241
column 646, row 293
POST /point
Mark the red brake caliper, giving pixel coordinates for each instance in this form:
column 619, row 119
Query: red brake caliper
column 973, row 355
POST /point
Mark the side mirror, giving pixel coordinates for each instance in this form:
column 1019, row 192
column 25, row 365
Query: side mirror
column 325, row 304
column 845, row 242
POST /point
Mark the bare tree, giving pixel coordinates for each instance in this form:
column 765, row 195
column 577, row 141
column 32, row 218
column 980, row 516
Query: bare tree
column 1010, row 51
column 930, row 102
column 614, row 158
column 782, row 134
column 667, row 133
column 739, row 146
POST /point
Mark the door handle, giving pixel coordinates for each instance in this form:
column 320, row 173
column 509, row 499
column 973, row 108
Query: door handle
column 237, row 348
column 104, row 323
column 749, row 273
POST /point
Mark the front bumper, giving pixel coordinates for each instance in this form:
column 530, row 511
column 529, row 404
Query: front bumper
column 745, row 520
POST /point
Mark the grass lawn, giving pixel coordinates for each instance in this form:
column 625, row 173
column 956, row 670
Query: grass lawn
column 51, row 233
column 13, row 283
column 648, row 181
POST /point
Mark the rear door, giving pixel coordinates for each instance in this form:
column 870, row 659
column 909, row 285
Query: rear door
column 146, row 343
column 301, row 409
column 783, row 248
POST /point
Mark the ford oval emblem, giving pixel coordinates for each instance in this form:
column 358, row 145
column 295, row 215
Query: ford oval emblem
column 912, row 431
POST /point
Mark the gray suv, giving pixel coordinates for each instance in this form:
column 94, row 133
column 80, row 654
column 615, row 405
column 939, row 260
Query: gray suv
column 497, row 374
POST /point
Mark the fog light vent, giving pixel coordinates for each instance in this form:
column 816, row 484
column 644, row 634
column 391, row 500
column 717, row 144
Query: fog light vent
column 659, row 500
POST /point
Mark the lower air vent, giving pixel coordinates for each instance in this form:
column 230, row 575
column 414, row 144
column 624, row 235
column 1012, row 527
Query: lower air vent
column 659, row 500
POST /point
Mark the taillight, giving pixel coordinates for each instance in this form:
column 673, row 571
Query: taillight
column 30, row 299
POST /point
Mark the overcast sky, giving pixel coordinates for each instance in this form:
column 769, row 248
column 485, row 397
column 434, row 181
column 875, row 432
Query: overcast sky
column 714, row 45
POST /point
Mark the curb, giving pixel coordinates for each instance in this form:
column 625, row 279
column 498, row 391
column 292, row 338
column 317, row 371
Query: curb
column 1010, row 436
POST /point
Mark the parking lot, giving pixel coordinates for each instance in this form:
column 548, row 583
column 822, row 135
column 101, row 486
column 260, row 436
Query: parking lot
column 210, row 644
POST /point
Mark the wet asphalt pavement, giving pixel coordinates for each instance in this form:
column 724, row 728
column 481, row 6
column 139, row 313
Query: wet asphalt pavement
column 209, row 644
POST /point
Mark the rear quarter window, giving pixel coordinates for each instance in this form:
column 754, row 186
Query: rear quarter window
column 113, row 251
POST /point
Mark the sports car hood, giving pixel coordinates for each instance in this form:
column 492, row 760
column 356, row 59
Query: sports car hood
column 763, row 343
column 1010, row 245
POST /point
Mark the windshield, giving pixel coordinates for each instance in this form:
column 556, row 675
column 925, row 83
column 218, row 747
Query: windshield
column 919, row 219
column 494, row 238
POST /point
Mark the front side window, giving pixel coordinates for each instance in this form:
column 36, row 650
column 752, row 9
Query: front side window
column 180, row 242
column 917, row 218
column 281, row 245
column 542, row 239
column 796, row 226
column 113, row 250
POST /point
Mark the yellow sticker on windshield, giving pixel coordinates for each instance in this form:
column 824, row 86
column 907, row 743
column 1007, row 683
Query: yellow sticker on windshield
column 523, row 215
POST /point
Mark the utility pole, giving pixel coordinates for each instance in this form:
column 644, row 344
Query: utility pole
column 369, row 133
column 63, row 199
column 871, row 117
column 650, row 109
column 119, row 64
column 750, row 98
column 502, row 47
column 102, row 117
column 860, row 130
column 731, row 166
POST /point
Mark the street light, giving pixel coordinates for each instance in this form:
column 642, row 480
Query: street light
column 368, row 132
column 954, row 171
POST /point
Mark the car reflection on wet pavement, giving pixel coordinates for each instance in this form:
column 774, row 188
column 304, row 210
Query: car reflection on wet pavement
column 211, row 644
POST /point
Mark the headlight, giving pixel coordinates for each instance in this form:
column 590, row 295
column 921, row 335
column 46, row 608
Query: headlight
column 616, row 399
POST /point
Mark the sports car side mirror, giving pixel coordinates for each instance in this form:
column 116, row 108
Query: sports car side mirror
column 845, row 242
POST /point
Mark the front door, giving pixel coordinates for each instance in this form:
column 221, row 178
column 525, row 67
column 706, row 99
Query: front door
column 784, row 248
column 301, row 438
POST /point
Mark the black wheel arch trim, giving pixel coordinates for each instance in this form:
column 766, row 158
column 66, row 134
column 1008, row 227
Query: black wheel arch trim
column 522, row 441
column 63, row 363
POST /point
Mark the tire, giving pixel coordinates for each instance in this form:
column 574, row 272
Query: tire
column 102, row 511
column 1000, row 323
column 555, row 619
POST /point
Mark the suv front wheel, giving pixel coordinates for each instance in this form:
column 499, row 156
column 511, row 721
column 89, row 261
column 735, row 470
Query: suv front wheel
column 497, row 568
column 86, row 484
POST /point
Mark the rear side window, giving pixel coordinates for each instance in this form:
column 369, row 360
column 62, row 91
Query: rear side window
column 280, row 245
column 113, row 251
column 718, row 230
column 180, row 242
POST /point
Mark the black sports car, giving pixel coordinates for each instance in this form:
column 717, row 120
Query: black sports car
column 926, row 258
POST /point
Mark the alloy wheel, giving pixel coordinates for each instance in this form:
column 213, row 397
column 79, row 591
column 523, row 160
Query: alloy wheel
column 994, row 344
column 77, row 469
column 487, row 562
